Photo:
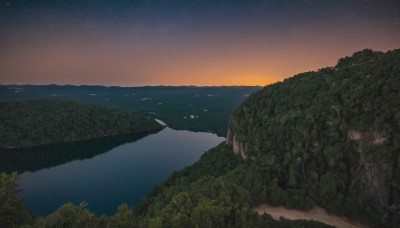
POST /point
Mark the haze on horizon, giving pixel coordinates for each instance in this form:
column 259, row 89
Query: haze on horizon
column 177, row 42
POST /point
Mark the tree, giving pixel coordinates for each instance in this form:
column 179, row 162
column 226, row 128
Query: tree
column 12, row 211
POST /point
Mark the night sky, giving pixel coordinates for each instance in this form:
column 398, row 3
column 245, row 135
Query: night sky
column 185, row 42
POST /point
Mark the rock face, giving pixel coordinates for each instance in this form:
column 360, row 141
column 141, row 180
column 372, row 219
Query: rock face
column 374, row 172
column 238, row 147
column 354, row 135
column 370, row 137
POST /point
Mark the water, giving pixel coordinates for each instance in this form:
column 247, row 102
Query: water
column 105, row 172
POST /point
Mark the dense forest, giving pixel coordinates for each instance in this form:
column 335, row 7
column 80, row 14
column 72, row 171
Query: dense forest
column 45, row 121
column 204, row 109
column 328, row 138
column 217, row 191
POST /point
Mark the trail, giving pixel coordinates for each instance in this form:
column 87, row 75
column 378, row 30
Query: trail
column 316, row 214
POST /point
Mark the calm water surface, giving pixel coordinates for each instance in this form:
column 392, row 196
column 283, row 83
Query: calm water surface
column 105, row 179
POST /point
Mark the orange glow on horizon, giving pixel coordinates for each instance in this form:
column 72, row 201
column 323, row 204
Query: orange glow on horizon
column 249, row 61
column 176, row 43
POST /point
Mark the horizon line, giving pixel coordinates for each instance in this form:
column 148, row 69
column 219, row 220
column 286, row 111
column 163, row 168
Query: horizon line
column 77, row 85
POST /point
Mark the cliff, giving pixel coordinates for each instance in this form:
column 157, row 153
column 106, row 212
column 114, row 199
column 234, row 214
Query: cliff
column 333, row 133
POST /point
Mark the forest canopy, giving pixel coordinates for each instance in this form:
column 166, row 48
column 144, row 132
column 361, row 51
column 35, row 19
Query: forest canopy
column 329, row 138
column 44, row 121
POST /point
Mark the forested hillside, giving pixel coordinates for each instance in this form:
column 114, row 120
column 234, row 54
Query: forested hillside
column 328, row 138
column 204, row 109
column 217, row 191
column 46, row 156
column 331, row 137
column 33, row 122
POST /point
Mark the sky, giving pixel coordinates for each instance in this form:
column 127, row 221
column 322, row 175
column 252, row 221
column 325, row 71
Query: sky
column 185, row 42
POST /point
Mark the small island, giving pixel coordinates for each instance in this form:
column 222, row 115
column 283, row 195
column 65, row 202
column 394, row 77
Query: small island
column 46, row 121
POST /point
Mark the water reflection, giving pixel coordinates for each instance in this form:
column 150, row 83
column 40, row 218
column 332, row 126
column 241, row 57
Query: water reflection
column 45, row 156
column 104, row 172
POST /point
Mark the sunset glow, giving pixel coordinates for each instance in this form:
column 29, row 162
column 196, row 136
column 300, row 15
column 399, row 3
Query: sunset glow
column 135, row 44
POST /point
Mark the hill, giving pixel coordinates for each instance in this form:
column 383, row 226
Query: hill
column 328, row 138
column 34, row 122
column 46, row 156
column 204, row 109
column 331, row 137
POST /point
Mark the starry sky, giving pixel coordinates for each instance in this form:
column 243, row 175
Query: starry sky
column 185, row 42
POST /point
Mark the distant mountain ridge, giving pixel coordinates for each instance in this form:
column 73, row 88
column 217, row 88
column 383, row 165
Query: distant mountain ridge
column 45, row 121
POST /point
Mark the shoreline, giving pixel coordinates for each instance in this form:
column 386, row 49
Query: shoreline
column 78, row 140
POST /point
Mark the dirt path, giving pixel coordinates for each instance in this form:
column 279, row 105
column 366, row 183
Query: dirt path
column 317, row 214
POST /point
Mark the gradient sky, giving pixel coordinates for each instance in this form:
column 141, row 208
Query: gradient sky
column 185, row 42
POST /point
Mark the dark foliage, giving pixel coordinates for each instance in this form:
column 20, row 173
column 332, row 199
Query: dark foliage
column 211, row 106
column 46, row 156
column 331, row 137
column 217, row 191
column 12, row 211
column 34, row 122
column 314, row 139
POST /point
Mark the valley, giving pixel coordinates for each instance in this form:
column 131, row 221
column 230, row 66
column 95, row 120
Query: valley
column 321, row 146
column 199, row 114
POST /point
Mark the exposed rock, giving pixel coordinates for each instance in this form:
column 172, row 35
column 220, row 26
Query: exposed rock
column 374, row 171
column 373, row 137
column 378, row 138
column 229, row 137
column 238, row 147
column 375, row 174
column 354, row 135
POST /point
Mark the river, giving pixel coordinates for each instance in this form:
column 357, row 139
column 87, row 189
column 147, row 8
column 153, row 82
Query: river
column 104, row 172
